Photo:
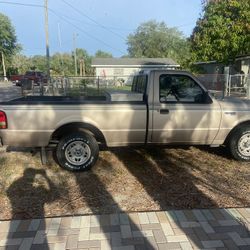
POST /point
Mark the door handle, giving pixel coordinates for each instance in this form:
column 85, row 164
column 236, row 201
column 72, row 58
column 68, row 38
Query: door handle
column 164, row 111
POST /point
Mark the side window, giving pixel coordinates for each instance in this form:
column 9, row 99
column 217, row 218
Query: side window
column 179, row 88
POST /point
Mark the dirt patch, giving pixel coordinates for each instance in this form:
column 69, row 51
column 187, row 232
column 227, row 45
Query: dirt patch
column 123, row 180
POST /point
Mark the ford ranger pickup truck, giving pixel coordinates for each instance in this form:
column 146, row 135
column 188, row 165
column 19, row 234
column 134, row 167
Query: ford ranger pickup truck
column 163, row 107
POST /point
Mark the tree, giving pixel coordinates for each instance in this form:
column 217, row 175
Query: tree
column 8, row 40
column 103, row 54
column 39, row 62
column 153, row 39
column 82, row 54
column 222, row 32
column 62, row 64
column 20, row 64
column 68, row 64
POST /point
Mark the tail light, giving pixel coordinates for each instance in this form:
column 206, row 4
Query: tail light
column 3, row 120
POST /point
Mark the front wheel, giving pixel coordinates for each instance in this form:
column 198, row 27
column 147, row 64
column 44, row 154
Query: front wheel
column 239, row 143
column 77, row 152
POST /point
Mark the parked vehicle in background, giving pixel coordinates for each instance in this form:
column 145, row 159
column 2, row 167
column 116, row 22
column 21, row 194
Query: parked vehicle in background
column 163, row 107
column 37, row 77
column 16, row 79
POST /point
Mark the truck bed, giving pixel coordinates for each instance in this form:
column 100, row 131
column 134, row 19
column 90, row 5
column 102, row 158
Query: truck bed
column 33, row 119
column 64, row 100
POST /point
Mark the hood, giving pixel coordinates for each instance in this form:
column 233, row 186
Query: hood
column 236, row 104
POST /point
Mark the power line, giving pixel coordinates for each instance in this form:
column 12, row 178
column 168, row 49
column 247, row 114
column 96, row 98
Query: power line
column 42, row 6
column 94, row 21
column 106, row 27
column 23, row 4
column 96, row 25
column 67, row 21
column 85, row 32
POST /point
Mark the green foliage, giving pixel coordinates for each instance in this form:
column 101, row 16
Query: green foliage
column 39, row 62
column 223, row 31
column 103, row 54
column 83, row 54
column 60, row 63
column 153, row 39
column 19, row 64
column 8, row 40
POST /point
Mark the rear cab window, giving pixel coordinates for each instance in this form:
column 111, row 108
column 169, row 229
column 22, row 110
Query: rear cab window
column 139, row 85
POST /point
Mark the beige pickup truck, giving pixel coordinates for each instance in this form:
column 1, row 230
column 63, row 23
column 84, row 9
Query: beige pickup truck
column 163, row 107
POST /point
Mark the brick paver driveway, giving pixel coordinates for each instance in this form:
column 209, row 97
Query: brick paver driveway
column 176, row 229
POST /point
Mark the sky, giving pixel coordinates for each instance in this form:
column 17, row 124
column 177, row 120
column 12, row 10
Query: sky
column 98, row 24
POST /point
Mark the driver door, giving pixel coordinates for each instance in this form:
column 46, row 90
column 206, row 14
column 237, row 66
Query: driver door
column 183, row 112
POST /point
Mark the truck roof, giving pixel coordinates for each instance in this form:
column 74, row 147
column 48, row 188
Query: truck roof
column 142, row 72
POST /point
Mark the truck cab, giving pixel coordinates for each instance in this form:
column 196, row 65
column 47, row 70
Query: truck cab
column 182, row 111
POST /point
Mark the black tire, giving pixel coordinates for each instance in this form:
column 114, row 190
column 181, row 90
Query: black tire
column 77, row 152
column 239, row 143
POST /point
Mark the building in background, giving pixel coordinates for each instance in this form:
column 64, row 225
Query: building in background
column 241, row 65
column 234, row 78
column 124, row 68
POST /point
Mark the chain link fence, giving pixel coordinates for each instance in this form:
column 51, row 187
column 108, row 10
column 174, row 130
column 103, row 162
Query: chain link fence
column 81, row 86
column 216, row 84
column 238, row 85
column 220, row 85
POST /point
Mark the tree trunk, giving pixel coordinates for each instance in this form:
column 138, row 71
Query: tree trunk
column 4, row 69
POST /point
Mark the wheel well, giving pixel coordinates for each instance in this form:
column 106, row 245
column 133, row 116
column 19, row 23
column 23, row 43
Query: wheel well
column 246, row 123
column 78, row 127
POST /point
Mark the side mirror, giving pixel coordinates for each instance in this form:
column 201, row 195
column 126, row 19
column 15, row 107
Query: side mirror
column 207, row 98
column 203, row 98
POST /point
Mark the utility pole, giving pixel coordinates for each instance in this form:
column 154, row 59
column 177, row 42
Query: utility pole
column 4, row 69
column 47, row 37
column 60, row 45
column 74, row 44
column 80, row 65
column 83, row 67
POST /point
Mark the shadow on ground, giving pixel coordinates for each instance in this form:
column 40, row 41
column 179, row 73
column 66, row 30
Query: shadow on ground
column 171, row 178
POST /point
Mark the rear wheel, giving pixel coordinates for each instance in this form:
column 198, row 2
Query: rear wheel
column 77, row 152
column 239, row 143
